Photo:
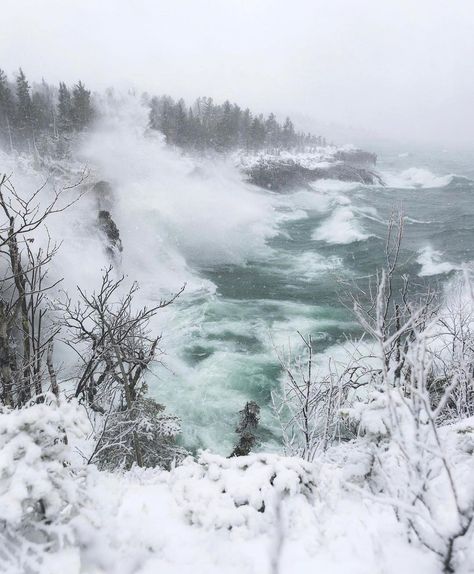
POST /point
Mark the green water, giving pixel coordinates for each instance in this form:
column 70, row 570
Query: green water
column 222, row 345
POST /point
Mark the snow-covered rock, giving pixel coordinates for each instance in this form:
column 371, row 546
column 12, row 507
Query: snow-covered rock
column 287, row 170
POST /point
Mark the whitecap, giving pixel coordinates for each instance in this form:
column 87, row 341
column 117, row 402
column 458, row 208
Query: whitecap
column 341, row 228
column 310, row 265
column 432, row 264
column 416, row 178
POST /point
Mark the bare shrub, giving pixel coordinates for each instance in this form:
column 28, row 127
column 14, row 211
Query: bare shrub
column 115, row 348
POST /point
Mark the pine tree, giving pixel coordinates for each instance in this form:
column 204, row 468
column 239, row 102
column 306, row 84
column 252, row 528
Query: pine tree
column 221, row 127
column 43, row 108
column 82, row 112
column 181, row 127
column 162, row 117
column 208, row 121
column 154, row 114
column 7, row 111
column 272, row 132
column 24, row 109
column 288, row 136
column 257, row 133
column 224, row 128
column 65, row 112
column 244, row 129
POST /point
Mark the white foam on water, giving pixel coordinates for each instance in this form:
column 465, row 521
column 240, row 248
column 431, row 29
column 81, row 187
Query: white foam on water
column 413, row 220
column 416, row 178
column 432, row 264
column 340, row 228
column 310, row 265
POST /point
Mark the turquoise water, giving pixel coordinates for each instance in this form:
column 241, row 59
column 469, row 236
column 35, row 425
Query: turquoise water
column 223, row 350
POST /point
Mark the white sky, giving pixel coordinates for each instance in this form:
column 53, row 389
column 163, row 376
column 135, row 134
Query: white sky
column 400, row 68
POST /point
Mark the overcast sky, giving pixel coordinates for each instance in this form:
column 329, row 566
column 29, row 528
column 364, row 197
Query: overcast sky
column 403, row 69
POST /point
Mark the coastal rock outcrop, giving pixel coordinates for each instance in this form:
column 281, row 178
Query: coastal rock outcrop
column 103, row 192
column 284, row 173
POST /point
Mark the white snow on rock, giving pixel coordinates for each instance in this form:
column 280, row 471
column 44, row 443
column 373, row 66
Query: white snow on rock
column 319, row 157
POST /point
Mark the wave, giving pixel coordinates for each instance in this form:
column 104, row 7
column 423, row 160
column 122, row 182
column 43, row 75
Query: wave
column 413, row 220
column 175, row 214
column 432, row 264
column 341, row 228
column 306, row 266
column 334, row 185
column 417, row 178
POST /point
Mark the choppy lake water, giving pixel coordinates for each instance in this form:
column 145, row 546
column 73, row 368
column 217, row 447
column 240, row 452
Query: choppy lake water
column 221, row 350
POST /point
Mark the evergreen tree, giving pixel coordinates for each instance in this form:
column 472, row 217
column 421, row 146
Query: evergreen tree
column 288, row 135
column 208, row 121
column 24, row 108
column 162, row 117
column 194, row 130
column 272, row 132
column 224, row 128
column 181, row 135
column 221, row 127
column 82, row 112
column 244, row 129
column 43, row 108
column 65, row 110
column 154, row 114
column 257, row 133
column 7, row 111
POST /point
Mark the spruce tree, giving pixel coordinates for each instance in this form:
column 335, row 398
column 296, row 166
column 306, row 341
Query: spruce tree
column 65, row 112
column 42, row 109
column 288, row 134
column 24, row 108
column 180, row 117
column 7, row 111
column 257, row 133
column 224, row 128
column 82, row 112
column 272, row 132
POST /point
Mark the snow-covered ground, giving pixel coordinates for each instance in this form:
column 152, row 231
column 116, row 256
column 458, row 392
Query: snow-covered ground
column 259, row 514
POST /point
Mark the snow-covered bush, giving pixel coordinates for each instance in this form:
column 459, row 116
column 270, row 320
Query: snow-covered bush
column 116, row 348
column 452, row 352
column 242, row 493
column 40, row 486
column 415, row 465
column 308, row 404
column 146, row 422
column 420, row 470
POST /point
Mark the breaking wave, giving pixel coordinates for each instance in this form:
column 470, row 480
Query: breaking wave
column 432, row 264
column 340, row 228
column 417, row 178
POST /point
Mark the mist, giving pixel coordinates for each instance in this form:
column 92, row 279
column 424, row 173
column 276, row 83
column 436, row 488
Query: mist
column 394, row 70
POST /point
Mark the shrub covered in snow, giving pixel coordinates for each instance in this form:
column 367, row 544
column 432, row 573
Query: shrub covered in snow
column 240, row 493
column 40, row 486
column 146, row 422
